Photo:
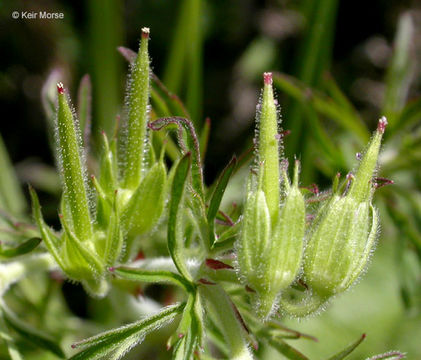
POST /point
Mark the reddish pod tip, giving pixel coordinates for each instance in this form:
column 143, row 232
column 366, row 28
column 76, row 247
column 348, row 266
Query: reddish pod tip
column 145, row 32
column 60, row 88
column 217, row 265
column 382, row 125
column 267, row 78
column 206, row 282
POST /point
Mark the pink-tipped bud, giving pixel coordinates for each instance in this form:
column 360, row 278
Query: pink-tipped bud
column 60, row 88
column 145, row 33
column 267, row 78
column 382, row 125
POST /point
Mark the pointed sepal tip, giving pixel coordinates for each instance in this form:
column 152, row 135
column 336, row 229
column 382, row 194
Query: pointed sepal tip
column 267, row 78
column 60, row 88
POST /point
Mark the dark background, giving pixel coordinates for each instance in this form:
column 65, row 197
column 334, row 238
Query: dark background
column 31, row 48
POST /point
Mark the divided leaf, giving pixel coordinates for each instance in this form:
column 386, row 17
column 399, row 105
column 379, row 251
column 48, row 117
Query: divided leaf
column 125, row 337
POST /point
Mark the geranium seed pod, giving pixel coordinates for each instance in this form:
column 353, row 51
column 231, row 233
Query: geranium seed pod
column 72, row 168
column 271, row 242
column 137, row 116
column 343, row 234
column 254, row 241
column 268, row 150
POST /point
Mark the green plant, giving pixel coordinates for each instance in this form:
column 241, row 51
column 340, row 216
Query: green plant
column 230, row 270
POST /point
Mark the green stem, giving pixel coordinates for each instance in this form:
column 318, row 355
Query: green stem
column 222, row 308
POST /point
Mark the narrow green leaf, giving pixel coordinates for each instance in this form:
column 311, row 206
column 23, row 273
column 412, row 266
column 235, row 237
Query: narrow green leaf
column 216, row 198
column 324, row 141
column 128, row 54
column 23, row 248
column 171, row 148
column 107, row 342
column 176, row 59
column 159, row 105
column 335, row 92
column 52, row 242
column 11, row 196
column 402, row 222
column 49, row 102
column 285, row 349
column 108, row 166
column 41, row 176
column 185, row 58
column 84, row 106
column 322, row 104
column 194, row 65
column 137, row 117
column 348, row 350
column 227, row 238
column 153, row 276
column 313, row 59
column 104, row 205
column 37, row 337
column 114, row 236
column 72, row 167
column 175, row 214
column 197, row 200
column 409, row 116
column 174, row 103
column 147, row 203
column 204, row 138
column 401, row 69
column 215, row 336
column 104, row 31
column 192, row 146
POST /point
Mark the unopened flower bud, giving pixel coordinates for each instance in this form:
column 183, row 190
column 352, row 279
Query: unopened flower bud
column 271, row 241
column 343, row 234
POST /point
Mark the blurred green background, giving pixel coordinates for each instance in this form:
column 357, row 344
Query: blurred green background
column 341, row 65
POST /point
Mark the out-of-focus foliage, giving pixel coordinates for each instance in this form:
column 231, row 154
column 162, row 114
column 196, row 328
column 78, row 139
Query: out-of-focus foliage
column 328, row 127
